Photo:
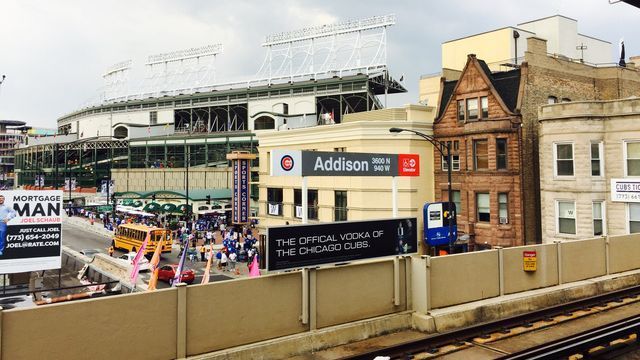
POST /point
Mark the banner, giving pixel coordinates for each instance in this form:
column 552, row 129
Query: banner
column 106, row 188
column 73, row 183
column 318, row 163
column 30, row 230
column 625, row 190
column 290, row 247
column 241, row 200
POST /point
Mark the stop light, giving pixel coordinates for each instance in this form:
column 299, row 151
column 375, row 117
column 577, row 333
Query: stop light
column 208, row 199
column 153, row 197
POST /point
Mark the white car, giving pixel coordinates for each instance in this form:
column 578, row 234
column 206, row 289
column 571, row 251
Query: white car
column 128, row 258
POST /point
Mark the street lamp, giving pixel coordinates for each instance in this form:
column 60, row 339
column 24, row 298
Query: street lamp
column 440, row 146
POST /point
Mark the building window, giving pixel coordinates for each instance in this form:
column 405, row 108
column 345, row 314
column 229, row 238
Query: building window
column 472, row 109
column 598, row 218
column 552, row 100
column 566, row 217
column 455, row 162
column 482, row 206
column 501, row 154
column 596, row 162
column 480, row 155
column 456, row 145
column 503, row 208
column 340, row 208
column 312, row 204
column 564, row 159
column 455, row 194
column 460, row 110
column 153, row 117
column 634, row 218
column 633, row 158
column 484, row 103
column 274, row 201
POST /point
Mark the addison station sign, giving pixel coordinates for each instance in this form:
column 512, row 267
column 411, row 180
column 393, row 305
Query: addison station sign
column 317, row 163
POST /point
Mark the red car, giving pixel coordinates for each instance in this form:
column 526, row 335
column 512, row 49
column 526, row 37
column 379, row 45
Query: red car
column 168, row 272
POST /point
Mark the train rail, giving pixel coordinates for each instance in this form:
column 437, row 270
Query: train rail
column 449, row 341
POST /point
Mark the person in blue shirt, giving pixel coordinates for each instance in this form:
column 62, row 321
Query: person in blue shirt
column 6, row 214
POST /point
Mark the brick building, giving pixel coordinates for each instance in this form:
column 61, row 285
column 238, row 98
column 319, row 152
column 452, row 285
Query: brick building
column 541, row 79
column 479, row 117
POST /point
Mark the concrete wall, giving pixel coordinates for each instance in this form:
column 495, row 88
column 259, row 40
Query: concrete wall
column 583, row 259
column 171, row 179
column 231, row 313
column 623, row 253
column 346, row 294
column 135, row 326
column 518, row 280
column 457, row 279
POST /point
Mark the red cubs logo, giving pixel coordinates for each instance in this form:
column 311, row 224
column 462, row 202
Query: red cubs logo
column 286, row 163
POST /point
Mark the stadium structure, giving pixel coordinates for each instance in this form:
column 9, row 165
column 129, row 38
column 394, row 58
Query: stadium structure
column 179, row 116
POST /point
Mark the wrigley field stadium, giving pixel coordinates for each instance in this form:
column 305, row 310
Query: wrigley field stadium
column 173, row 128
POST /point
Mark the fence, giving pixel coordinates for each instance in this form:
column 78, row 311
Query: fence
column 187, row 321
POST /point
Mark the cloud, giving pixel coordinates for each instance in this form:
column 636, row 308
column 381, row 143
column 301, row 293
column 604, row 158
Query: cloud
column 54, row 53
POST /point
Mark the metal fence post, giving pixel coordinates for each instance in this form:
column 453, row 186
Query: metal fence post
column 181, row 331
column 500, row 269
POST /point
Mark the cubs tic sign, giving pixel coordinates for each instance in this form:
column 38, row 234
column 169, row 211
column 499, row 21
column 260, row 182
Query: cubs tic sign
column 317, row 163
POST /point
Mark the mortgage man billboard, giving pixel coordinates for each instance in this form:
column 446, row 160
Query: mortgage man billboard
column 30, row 230
column 299, row 246
column 319, row 163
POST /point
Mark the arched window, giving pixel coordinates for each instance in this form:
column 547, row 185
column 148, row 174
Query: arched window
column 264, row 122
column 121, row 132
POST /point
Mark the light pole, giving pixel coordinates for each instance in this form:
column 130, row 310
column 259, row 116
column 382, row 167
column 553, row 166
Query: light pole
column 440, row 146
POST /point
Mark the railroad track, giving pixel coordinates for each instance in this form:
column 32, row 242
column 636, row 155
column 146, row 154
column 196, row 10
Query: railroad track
column 484, row 333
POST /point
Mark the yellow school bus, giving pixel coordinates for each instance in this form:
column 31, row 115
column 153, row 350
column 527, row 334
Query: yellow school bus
column 130, row 237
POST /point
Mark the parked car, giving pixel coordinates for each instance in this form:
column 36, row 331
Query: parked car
column 90, row 252
column 168, row 272
column 128, row 258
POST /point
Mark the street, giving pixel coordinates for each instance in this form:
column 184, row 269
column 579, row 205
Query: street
column 77, row 238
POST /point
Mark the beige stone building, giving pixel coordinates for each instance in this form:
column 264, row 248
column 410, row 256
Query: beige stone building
column 583, row 146
column 349, row 198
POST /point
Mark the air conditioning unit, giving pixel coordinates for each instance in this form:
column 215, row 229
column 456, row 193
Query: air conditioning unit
column 504, row 220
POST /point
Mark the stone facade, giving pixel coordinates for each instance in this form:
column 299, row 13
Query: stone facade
column 501, row 123
column 581, row 124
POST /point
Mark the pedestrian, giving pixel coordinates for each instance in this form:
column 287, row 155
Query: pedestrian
column 202, row 252
column 111, row 250
column 223, row 261
column 232, row 263
column 218, row 259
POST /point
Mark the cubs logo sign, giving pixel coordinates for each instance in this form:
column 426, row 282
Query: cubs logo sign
column 287, row 163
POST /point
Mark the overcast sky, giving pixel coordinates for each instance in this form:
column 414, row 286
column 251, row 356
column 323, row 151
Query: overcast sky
column 54, row 52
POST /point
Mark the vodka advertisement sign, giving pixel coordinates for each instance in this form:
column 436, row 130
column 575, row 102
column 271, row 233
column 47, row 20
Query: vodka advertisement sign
column 298, row 246
column 30, row 230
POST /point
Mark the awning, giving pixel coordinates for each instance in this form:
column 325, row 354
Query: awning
column 152, row 207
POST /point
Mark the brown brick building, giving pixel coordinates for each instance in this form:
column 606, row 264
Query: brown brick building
column 479, row 117
column 506, row 127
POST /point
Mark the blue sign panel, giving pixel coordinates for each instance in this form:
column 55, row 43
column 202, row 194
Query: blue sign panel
column 436, row 223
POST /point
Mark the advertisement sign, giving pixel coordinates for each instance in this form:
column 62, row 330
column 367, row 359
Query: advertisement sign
column 529, row 261
column 290, row 247
column 625, row 190
column 73, row 183
column 30, row 230
column 107, row 188
column 436, row 227
column 318, row 163
column 241, row 200
column 39, row 180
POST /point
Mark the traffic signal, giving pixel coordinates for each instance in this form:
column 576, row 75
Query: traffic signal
column 113, row 198
column 153, row 197
column 208, row 199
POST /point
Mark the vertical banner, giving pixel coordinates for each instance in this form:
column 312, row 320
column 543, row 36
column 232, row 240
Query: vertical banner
column 30, row 230
column 241, row 186
column 106, row 188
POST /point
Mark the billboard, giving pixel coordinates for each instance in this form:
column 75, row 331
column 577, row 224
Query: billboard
column 30, row 230
column 625, row 190
column 437, row 217
column 107, row 187
column 241, row 201
column 318, row 163
column 290, row 247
